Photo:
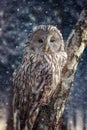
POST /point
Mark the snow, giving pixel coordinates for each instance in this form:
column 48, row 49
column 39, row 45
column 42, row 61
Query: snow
column 17, row 18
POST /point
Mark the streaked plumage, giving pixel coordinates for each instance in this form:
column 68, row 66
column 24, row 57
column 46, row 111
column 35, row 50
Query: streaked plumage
column 37, row 77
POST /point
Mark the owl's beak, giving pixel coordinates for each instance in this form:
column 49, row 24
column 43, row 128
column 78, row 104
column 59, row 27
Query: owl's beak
column 46, row 48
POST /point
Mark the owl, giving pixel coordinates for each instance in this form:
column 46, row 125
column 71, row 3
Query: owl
column 37, row 77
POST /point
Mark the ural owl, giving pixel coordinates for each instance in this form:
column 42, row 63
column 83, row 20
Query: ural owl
column 37, row 78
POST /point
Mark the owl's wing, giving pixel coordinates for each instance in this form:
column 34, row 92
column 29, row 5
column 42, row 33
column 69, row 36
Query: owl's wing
column 32, row 81
column 62, row 58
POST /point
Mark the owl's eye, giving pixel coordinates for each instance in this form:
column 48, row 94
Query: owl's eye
column 40, row 40
column 52, row 40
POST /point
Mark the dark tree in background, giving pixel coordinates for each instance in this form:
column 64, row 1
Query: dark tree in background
column 17, row 18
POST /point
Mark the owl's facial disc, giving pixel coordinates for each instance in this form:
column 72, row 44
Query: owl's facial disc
column 46, row 41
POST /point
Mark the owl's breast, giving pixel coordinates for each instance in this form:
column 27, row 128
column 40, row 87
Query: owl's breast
column 53, row 62
column 39, row 73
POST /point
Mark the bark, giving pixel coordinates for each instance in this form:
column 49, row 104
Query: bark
column 49, row 117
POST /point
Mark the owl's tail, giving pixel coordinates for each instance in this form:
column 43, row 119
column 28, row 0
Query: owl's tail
column 32, row 118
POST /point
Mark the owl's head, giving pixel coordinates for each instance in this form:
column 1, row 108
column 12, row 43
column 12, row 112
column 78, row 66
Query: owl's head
column 45, row 38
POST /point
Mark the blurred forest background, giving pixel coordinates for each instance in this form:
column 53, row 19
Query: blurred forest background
column 17, row 18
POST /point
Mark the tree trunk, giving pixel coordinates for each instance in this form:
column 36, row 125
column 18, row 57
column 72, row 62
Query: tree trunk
column 49, row 117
